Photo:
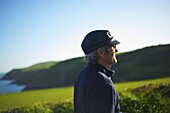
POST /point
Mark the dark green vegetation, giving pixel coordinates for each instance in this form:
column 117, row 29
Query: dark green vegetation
column 147, row 63
column 50, row 107
column 152, row 98
column 60, row 74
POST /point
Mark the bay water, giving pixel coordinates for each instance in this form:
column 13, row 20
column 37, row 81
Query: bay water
column 7, row 87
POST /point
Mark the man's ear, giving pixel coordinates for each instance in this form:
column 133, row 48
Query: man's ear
column 100, row 52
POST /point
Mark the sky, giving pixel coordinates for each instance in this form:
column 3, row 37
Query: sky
column 34, row 31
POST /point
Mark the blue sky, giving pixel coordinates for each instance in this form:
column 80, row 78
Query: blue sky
column 33, row 31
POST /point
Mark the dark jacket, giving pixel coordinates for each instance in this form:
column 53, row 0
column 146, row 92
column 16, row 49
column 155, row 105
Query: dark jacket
column 94, row 91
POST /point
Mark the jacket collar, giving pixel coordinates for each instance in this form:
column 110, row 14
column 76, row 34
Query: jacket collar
column 102, row 68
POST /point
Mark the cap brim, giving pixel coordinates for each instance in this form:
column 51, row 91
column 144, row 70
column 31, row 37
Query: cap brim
column 114, row 42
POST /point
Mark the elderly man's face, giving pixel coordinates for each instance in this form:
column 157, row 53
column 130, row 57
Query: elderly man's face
column 110, row 55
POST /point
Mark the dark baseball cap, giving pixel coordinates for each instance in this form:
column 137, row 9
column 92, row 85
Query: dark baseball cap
column 97, row 39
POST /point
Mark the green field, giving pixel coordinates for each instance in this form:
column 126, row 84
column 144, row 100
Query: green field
column 37, row 96
column 125, row 85
column 29, row 98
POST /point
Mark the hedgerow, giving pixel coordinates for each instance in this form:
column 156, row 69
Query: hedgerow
column 50, row 107
column 153, row 98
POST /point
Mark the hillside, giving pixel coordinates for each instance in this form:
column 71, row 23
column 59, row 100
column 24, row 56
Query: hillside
column 147, row 63
column 59, row 74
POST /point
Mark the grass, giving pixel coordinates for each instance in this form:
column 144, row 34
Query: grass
column 124, row 85
column 152, row 98
column 40, row 66
column 29, row 98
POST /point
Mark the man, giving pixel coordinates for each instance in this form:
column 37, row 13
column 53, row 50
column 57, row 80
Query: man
column 94, row 91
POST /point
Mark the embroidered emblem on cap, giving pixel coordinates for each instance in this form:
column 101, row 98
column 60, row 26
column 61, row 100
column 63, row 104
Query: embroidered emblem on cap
column 109, row 35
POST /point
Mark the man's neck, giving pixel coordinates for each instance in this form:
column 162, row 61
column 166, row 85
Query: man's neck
column 104, row 64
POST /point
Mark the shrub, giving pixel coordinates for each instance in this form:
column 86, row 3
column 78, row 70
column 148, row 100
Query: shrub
column 154, row 98
column 50, row 107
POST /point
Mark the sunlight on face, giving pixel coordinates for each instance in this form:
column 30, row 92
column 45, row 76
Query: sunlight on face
column 110, row 55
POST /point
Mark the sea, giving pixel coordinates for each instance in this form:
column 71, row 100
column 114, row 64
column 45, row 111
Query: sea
column 7, row 87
